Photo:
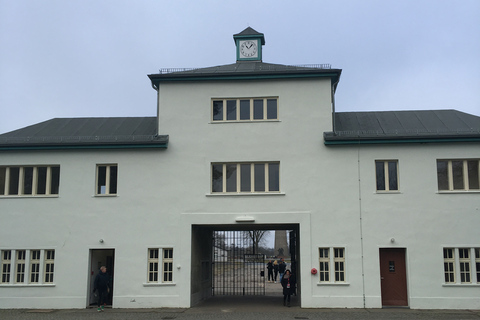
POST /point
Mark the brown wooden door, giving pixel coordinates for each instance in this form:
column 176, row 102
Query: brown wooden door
column 393, row 275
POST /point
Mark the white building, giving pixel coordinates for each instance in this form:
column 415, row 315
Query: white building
column 375, row 200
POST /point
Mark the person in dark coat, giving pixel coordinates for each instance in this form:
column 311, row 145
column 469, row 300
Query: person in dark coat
column 102, row 286
column 281, row 268
column 270, row 271
column 275, row 269
column 288, row 284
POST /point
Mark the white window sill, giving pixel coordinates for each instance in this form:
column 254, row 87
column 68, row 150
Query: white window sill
column 237, row 194
column 30, row 285
column 28, row 196
column 105, row 195
column 341, row 284
column 388, row 192
column 458, row 191
column 160, row 284
column 244, row 121
column 464, row 285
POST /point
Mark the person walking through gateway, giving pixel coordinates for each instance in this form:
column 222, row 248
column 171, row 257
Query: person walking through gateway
column 281, row 268
column 288, row 284
column 275, row 269
column 102, row 286
column 270, row 271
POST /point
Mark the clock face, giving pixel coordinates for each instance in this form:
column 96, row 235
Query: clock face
column 248, row 49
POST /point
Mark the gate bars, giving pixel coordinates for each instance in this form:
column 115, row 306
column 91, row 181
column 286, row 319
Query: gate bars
column 237, row 268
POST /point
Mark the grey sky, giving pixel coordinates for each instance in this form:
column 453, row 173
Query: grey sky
column 91, row 58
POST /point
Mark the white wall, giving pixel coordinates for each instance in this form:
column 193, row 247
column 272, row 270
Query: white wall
column 162, row 193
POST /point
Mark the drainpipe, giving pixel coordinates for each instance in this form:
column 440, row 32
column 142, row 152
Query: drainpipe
column 157, row 88
column 361, row 223
column 333, row 106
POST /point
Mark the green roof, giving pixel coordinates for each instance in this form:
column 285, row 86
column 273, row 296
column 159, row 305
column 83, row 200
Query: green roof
column 404, row 127
column 86, row 133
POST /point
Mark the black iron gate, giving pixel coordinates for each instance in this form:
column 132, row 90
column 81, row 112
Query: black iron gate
column 237, row 268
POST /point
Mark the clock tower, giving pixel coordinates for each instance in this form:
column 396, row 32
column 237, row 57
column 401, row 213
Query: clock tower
column 249, row 45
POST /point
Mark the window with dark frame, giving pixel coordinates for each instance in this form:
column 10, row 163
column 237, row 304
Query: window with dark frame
column 458, row 175
column 386, row 175
column 244, row 109
column 255, row 177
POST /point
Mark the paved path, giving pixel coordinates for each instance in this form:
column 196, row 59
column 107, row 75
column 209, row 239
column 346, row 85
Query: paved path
column 241, row 308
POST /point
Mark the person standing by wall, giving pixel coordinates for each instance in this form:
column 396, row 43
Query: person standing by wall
column 102, row 286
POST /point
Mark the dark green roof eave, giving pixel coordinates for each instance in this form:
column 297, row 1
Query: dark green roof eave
column 156, row 79
column 83, row 147
column 357, row 141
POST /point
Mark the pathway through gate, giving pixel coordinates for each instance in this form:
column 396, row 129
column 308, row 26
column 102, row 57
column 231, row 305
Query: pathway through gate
column 237, row 270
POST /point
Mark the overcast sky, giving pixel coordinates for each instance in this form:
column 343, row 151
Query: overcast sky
column 85, row 58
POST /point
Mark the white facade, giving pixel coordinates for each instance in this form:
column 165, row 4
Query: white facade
column 164, row 200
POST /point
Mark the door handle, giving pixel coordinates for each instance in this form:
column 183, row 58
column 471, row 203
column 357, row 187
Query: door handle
column 381, row 278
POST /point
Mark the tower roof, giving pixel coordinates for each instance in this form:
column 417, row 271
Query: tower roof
column 250, row 33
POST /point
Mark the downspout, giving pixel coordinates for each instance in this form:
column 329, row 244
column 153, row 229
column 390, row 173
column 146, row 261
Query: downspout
column 333, row 105
column 157, row 88
column 361, row 224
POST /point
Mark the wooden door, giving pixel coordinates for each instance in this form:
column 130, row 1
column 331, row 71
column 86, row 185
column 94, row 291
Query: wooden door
column 393, row 275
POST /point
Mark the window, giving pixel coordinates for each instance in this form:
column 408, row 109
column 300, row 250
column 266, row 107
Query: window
column 107, row 179
column 324, row 272
column 20, row 267
column 244, row 109
column 6, row 265
column 338, row 262
column 29, row 180
column 34, row 266
column 464, row 258
column 154, row 263
column 49, row 265
column 167, row 265
column 387, row 175
column 461, row 175
column 255, row 177
column 477, row 263
column 27, row 266
column 461, row 267
column 449, row 265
